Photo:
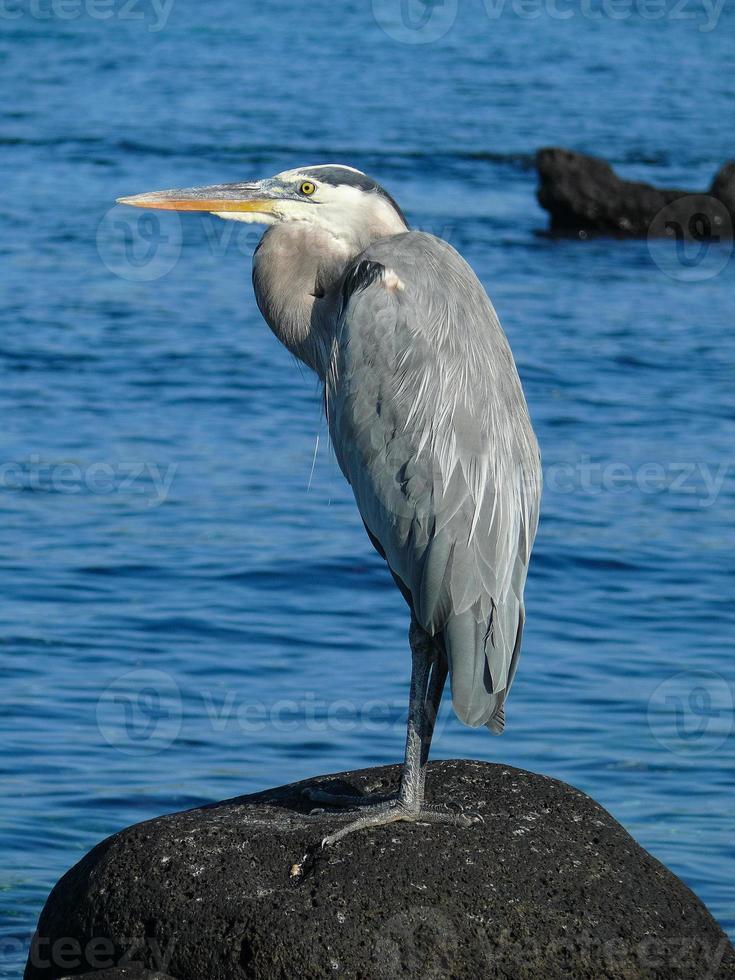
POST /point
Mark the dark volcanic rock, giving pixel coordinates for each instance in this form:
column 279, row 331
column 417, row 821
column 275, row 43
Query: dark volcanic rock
column 547, row 886
column 123, row 973
column 584, row 195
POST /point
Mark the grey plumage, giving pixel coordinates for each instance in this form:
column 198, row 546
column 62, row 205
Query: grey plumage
column 430, row 427
column 428, row 422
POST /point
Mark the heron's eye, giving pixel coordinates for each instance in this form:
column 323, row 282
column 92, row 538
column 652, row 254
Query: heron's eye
column 307, row 188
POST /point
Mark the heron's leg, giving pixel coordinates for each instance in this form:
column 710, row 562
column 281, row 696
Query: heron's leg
column 421, row 718
column 437, row 681
column 427, row 682
column 428, row 674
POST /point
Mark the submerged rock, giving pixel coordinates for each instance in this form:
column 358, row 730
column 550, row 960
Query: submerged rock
column 548, row 885
column 584, row 195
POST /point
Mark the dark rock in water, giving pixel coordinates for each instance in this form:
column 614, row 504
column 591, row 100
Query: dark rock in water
column 723, row 186
column 585, row 196
column 547, row 886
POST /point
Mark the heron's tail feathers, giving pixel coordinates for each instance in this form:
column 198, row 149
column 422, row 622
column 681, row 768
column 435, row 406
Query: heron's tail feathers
column 482, row 664
column 496, row 724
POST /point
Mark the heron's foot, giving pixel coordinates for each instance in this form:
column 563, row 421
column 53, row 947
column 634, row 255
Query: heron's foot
column 344, row 801
column 395, row 811
column 380, row 815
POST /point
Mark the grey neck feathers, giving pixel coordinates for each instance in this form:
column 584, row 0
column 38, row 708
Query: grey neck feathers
column 297, row 272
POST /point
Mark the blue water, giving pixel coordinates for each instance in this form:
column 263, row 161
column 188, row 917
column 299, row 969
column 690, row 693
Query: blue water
column 191, row 607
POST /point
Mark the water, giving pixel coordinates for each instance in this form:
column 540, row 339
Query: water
column 172, row 534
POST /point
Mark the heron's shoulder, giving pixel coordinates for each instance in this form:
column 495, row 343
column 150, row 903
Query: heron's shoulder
column 413, row 264
column 412, row 245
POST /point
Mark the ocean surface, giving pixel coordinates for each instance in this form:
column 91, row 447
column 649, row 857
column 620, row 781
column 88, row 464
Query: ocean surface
column 191, row 609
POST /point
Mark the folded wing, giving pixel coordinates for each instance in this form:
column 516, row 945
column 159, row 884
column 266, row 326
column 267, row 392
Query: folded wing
column 430, row 427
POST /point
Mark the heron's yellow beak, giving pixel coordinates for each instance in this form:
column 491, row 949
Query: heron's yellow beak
column 217, row 198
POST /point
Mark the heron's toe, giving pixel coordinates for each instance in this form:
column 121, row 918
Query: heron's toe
column 443, row 813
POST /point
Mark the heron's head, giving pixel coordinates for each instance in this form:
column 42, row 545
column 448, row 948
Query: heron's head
column 339, row 200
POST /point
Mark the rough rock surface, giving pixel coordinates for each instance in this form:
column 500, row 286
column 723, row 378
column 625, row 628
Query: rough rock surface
column 584, row 195
column 123, row 973
column 548, row 885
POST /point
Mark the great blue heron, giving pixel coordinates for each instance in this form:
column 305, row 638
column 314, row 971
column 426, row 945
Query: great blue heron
column 429, row 425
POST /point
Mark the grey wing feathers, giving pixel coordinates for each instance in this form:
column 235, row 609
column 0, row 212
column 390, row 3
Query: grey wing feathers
column 431, row 429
